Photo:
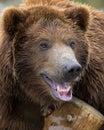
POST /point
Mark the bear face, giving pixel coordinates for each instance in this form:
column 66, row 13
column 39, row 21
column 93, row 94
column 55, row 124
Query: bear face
column 49, row 50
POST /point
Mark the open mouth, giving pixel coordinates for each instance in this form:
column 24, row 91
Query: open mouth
column 62, row 91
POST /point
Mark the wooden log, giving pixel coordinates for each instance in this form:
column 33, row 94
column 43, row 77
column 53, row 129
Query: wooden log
column 76, row 115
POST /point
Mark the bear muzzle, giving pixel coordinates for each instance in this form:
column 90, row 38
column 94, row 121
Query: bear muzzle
column 61, row 74
column 62, row 89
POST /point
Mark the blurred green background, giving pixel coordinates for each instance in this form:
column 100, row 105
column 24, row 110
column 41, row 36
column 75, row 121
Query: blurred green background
column 95, row 3
column 99, row 4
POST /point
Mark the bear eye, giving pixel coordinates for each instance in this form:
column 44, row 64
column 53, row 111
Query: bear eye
column 44, row 45
column 72, row 43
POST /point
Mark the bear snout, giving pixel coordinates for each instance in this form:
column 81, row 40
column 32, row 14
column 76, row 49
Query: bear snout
column 71, row 71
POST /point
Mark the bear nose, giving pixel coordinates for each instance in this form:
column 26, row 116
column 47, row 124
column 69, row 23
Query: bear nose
column 71, row 71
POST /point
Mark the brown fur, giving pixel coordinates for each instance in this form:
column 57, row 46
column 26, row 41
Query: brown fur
column 22, row 90
column 96, row 24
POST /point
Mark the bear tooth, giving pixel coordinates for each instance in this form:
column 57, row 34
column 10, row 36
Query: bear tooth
column 58, row 89
column 68, row 89
column 63, row 90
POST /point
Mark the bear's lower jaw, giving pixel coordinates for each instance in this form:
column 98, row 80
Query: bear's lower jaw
column 59, row 91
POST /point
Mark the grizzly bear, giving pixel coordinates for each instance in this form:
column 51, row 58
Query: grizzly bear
column 47, row 52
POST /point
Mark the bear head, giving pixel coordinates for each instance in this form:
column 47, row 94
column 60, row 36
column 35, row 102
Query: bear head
column 49, row 49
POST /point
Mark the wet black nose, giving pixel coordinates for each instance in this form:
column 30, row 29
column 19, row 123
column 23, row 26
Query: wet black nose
column 71, row 71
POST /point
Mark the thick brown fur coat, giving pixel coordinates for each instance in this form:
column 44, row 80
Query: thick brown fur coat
column 21, row 89
column 91, row 86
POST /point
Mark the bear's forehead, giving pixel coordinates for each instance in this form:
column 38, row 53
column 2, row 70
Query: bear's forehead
column 45, row 12
column 50, row 30
column 44, row 17
column 49, row 23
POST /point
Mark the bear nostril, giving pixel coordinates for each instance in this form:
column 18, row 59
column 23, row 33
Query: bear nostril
column 75, row 69
column 71, row 70
column 78, row 70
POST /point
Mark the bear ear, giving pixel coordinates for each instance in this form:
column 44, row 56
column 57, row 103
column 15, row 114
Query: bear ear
column 12, row 20
column 79, row 15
